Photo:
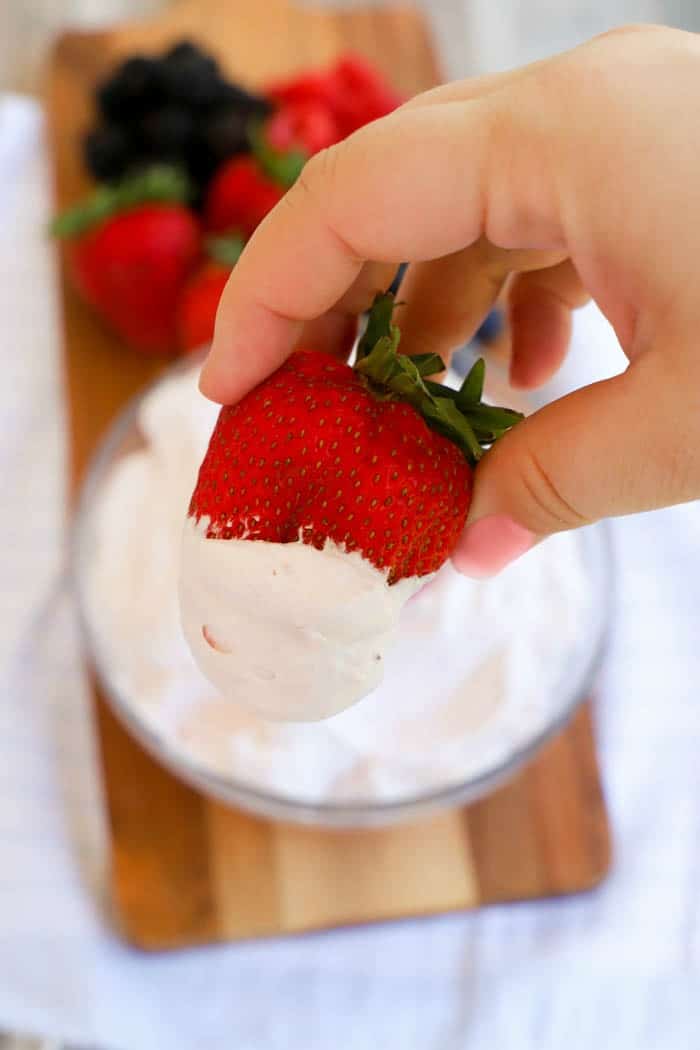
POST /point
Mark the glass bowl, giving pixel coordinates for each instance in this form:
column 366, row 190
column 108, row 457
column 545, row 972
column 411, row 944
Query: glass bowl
column 569, row 688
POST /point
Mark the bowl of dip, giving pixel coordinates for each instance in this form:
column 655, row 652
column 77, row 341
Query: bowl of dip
column 482, row 673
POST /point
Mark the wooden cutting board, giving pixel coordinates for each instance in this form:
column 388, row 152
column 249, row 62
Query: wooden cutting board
column 186, row 870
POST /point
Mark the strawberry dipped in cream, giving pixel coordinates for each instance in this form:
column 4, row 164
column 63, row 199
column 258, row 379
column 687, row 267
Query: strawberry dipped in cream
column 326, row 498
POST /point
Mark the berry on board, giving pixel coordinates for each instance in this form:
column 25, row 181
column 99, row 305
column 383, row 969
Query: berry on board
column 240, row 196
column 131, row 251
column 199, row 301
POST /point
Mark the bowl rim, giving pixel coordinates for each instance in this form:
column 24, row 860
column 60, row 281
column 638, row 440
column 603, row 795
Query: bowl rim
column 269, row 804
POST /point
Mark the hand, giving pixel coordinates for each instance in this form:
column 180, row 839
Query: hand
column 578, row 175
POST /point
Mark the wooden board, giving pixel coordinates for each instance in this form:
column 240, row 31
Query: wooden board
column 186, row 870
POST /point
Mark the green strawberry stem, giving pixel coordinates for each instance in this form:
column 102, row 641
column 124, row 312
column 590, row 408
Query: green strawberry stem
column 459, row 415
column 159, row 183
column 225, row 250
column 283, row 167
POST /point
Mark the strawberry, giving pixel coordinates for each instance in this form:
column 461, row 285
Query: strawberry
column 315, row 110
column 376, row 459
column 362, row 94
column 308, row 126
column 311, row 86
column 131, row 251
column 200, row 299
column 352, row 90
column 239, row 197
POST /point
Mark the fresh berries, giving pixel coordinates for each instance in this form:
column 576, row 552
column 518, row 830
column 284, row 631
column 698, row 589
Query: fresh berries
column 375, row 459
column 362, row 94
column 107, row 152
column 134, row 86
column 352, row 91
column 307, row 126
column 313, row 85
column 191, row 77
column 198, row 306
column 240, row 196
column 130, row 255
column 200, row 299
column 237, row 152
column 166, row 133
column 178, row 108
column 222, row 136
column 132, row 270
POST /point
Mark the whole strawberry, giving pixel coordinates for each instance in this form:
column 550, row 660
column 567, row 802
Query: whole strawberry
column 362, row 94
column 200, row 298
column 131, row 251
column 305, row 126
column 240, row 196
column 352, row 90
column 375, row 459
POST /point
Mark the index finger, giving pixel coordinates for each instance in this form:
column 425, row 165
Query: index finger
column 417, row 185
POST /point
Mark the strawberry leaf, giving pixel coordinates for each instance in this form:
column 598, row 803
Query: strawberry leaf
column 459, row 415
column 225, row 250
column 378, row 324
column 428, row 364
column 444, row 416
column 473, row 386
column 282, row 166
column 158, row 184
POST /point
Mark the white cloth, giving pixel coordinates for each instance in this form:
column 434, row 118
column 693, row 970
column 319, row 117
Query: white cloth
column 619, row 967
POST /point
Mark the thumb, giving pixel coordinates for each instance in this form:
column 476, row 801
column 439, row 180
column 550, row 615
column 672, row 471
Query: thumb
column 612, row 448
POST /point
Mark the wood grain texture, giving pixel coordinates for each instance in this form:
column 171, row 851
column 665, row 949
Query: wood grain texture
column 186, row 870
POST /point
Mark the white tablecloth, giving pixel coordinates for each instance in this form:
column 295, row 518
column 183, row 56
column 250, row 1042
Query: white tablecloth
column 617, row 968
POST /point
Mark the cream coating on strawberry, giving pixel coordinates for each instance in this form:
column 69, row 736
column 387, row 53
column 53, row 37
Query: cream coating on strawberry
column 266, row 626
column 326, row 497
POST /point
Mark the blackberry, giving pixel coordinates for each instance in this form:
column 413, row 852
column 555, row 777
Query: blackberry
column 108, row 152
column 200, row 166
column 232, row 96
column 192, row 80
column 186, row 52
column 177, row 108
column 224, row 134
column 167, row 133
column 136, row 85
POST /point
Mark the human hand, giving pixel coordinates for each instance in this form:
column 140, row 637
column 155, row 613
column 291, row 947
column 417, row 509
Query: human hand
column 578, row 175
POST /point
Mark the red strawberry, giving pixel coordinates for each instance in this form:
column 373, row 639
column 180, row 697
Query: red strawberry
column 308, row 126
column 239, row 197
column 314, row 86
column 352, row 90
column 200, row 299
column 376, row 459
column 131, row 255
column 362, row 93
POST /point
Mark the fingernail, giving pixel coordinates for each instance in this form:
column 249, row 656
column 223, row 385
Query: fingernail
column 489, row 544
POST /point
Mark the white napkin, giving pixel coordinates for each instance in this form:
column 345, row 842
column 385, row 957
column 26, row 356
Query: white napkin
column 619, row 967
